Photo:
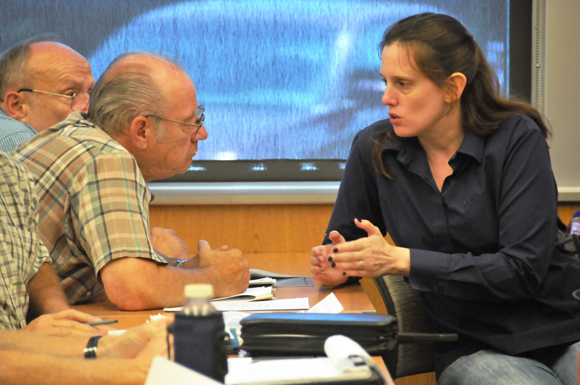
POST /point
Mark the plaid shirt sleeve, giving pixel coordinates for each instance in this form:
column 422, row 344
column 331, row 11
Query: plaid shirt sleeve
column 21, row 252
column 110, row 213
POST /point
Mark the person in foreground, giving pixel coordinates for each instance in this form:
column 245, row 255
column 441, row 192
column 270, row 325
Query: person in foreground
column 144, row 124
column 31, row 298
column 41, row 83
column 31, row 358
column 461, row 179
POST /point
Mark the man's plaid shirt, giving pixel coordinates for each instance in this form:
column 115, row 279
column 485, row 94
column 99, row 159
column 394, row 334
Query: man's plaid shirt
column 21, row 252
column 94, row 202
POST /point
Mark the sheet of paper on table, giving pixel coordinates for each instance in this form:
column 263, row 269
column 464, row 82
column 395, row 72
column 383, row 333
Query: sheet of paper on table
column 268, row 305
column 251, row 294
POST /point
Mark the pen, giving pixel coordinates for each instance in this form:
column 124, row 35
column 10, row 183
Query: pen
column 103, row 322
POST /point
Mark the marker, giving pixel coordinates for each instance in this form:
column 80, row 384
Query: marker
column 103, row 322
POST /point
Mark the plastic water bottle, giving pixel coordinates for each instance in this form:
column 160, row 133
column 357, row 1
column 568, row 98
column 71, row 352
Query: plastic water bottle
column 574, row 227
column 200, row 341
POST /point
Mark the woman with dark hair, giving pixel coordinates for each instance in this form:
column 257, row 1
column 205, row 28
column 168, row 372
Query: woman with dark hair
column 461, row 180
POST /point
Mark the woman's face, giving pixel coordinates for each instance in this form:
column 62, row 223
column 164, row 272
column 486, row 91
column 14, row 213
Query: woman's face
column 417, row 106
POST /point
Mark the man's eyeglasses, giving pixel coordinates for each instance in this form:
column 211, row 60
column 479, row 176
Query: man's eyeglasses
column 79, row 100
column 198, row 122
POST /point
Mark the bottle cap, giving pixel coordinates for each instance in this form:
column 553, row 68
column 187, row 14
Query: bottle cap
column 198, row 290
column 576, row 214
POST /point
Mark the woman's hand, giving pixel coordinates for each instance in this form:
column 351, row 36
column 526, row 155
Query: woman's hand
column 369, row 257
column 322, row 268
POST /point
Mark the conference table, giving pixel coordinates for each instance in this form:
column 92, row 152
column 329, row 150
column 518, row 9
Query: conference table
column 352, row 298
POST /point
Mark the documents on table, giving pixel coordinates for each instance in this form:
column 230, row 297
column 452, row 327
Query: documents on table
column 251, row 294
column 294, row 371
column 347, row 363
column 255, row 298
column 276, row 304
column 262, row 281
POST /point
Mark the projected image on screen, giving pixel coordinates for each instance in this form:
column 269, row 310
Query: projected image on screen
column 279, row 79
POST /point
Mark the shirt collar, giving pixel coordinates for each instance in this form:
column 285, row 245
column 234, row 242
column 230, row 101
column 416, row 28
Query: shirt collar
column 472, row 145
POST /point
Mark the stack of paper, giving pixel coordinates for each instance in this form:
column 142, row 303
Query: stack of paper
column 252, row 294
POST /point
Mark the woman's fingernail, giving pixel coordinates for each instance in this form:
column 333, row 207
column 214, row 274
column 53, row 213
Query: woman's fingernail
column 329, row 259
column 335, row 250
column 333, row 264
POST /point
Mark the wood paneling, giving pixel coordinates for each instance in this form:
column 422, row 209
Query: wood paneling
column 250, row 228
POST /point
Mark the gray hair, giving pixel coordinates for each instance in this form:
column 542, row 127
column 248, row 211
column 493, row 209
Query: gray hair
column 13, row 62
column 121, row 95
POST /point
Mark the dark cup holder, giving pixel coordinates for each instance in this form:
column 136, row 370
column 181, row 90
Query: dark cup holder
column 576, row 294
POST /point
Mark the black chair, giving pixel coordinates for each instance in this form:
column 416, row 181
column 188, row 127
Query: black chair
column 413, row 353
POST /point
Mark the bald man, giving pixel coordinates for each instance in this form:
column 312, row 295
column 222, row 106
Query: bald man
column 144, row 124
column 41, row 83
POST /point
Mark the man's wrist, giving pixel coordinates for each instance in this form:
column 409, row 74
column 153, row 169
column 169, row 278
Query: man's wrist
column 179, row 262
column 92, row 347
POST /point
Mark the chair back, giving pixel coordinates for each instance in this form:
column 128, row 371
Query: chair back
column 405, row 303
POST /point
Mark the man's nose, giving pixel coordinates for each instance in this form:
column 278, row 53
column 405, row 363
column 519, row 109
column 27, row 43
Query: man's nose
column 200, row 135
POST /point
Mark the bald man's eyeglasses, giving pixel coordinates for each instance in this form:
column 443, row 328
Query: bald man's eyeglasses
column 198, row 122
column 79, row 100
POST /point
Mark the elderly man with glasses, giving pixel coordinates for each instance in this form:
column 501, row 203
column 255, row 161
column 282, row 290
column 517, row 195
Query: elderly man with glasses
column 144, row 123
column 41, row 83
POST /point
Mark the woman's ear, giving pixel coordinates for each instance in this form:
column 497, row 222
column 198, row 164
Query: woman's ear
column 455, row 86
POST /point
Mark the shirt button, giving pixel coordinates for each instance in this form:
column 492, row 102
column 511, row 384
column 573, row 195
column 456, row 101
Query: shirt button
column 434, row 287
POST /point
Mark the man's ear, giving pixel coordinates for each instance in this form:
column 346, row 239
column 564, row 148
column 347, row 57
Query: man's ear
column 141, row 132
column 16, row 106
column 455, row 86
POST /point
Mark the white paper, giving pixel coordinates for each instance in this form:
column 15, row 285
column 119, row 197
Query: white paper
column 251, row 294
column 165, row 372
column 116, row 332
column 299, row 370
column 329, row 305
column 275, row 304
column 262, row 281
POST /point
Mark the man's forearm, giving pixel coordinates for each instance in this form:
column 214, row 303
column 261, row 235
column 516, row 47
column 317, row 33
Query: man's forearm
column 24, row 368
column 46, row 295
column 128, row 283
column 40, row 343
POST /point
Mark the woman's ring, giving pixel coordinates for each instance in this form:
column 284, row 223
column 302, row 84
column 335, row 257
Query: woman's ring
column 361, row 265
